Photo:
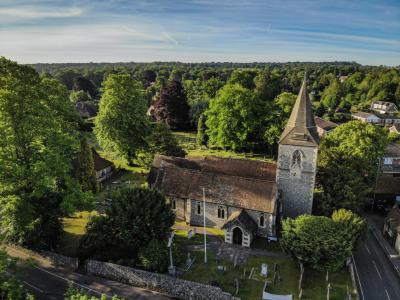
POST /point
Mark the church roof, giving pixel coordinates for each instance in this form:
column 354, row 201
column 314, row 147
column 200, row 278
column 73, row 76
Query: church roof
column 252, row 188
column 300, row 129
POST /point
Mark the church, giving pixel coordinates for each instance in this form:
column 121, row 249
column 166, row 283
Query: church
column 245, row 197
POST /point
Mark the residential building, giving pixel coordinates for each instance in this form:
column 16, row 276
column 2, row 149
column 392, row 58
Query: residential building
column 103, row 167
column 395, row 128
column 324, row 126
column 366, row 117
column 383, row 107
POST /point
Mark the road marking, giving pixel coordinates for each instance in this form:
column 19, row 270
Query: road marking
column 359, row 282
column 69, row 280
column 32, row 286
column 376, row 268
column 387, row 294
column 366, row 247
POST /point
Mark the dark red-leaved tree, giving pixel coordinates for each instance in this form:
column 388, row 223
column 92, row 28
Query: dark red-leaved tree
column 171, row 106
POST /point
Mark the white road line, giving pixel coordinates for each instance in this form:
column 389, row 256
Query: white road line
column 366, row 247
column 32, row 286
column 387, row 294
column 377, row 270
column 359, row 282
column 69, row 280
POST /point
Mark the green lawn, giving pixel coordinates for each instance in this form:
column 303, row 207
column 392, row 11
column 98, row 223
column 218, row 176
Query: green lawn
column 74, row 229
column 187, row 140
column 314, row 285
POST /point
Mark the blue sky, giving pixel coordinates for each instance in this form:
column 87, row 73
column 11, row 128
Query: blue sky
column 200, row 30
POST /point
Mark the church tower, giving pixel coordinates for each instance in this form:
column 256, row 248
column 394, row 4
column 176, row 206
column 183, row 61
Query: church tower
column 297, row 158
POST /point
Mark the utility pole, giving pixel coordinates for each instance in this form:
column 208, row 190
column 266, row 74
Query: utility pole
column 205, row 231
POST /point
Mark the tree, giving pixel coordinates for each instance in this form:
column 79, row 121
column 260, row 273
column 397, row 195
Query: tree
column 39, row 141
column 83, row 84
column 201, row 131
column 171, row 106
column 79, row 96
column 355, row 227
column 80, row 294
column 234, row 118
column 348, row 163
column 160, row 141
column 285, row 102
column 133, row 218
column 10, row 287
column 121, row 125
column 316, row 241
column 244, row 77
column 84, row 171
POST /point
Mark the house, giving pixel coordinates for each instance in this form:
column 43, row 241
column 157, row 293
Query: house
column 387, row 186
column 395, row 128
column 103, row 167
column 366, row 117
column 86, row 109
column 343, row 78
column 245, row 197
column 324, row 126
column 376, row 118
column 383, row 107
column 391, row 229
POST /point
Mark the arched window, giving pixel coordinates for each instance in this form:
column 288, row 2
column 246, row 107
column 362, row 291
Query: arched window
column 221, row 212
column 261, row 221
column 198, row 208
column 296, row 159
column 173, row 203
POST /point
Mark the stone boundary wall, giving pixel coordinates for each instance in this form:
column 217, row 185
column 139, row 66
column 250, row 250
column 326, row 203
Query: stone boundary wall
column 170, row 286
column 61, row 260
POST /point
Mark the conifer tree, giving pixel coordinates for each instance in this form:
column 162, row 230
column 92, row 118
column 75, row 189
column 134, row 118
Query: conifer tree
column 201, row 131
column 85, row 171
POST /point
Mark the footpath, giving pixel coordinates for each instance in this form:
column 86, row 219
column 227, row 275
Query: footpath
column 376, row 227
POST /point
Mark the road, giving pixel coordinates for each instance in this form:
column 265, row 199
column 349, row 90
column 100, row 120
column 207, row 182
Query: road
column 52, row 283
column 374, row 275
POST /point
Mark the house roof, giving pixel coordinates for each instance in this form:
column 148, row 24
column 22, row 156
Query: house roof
column 392, row 150
column 300, row 129
column 324, row 124
column 384, row 105
column 86, row 109
column 386, row 117
column 223, row 184
column 99, row 162
column 387, row 184
column 362, row 114
column 242, row 218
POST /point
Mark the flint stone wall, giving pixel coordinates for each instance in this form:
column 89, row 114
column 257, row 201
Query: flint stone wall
column 170, row 286
column 61, row 260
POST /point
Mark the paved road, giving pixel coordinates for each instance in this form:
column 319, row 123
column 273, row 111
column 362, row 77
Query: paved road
column 375, row 277
column 52, row 283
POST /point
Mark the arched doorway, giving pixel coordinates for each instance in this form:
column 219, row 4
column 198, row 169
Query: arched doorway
column 237, row 236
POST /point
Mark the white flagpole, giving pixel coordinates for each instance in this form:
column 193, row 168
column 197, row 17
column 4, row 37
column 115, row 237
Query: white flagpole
column 205, row 231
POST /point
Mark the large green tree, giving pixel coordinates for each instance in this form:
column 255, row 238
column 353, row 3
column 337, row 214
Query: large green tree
column 234, row 117
column 319, row 242
column 347, row 165
column 10, row 287
column 39, row 141
column 122, row 125
column 133, row 219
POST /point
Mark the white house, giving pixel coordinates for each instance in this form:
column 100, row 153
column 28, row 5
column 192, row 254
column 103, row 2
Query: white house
column 366, row 117
column 384, row 107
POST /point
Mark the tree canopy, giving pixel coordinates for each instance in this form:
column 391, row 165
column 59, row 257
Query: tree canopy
column 348, row 163
column 133, row 218
column 39, row 141
column 320, row 242
column 122, row 125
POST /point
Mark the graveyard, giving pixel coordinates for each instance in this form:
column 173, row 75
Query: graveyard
column 245, row 272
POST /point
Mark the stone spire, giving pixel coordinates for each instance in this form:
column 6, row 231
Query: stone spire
column 300, row 129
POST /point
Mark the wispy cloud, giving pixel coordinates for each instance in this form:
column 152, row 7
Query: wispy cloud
column 30, row 12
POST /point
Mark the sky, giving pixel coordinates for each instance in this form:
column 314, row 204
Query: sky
column 50, row 31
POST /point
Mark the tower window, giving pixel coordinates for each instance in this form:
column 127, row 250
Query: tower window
column 173, row 204
column 198, row 208
column 261, row 221
column 221, row 212
column 296, row 159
